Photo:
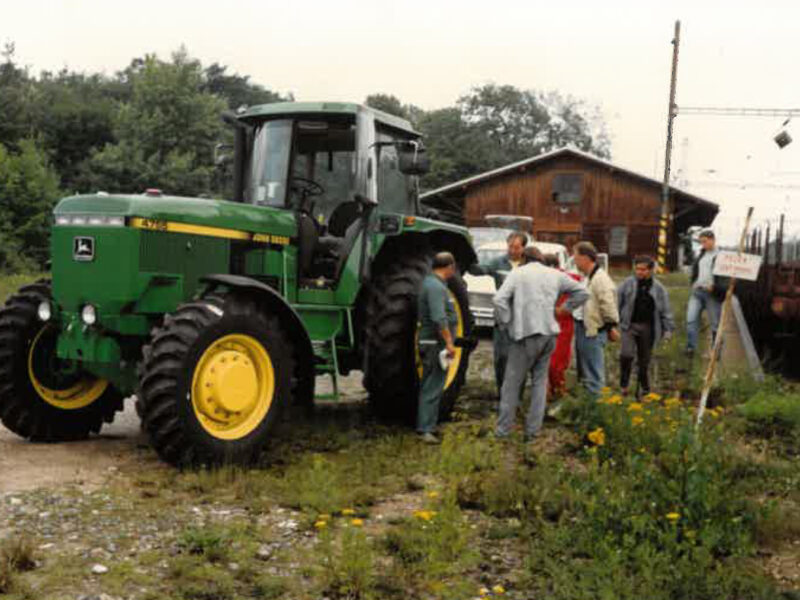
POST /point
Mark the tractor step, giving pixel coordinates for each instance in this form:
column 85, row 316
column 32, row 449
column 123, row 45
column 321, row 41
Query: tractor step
column 327, row 364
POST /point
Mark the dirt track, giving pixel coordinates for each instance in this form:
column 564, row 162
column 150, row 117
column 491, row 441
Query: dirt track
column 26, row 466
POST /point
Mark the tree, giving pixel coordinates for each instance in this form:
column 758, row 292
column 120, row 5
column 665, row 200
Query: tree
column 165, row 135
column 237, row 90
column 15, row 88
column 74, row 115
column 524, row 123
column 388, row 104
column 28, row 192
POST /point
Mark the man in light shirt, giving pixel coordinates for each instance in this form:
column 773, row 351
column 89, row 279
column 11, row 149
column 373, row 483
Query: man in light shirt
column 498, row 269
column 703, row 296
column 526, row 305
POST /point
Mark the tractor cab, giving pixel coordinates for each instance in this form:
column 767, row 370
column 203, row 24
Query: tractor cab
column 328, row 164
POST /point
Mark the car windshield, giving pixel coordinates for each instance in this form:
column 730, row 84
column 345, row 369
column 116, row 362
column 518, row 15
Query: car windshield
column 487, row 235
column 486, row 255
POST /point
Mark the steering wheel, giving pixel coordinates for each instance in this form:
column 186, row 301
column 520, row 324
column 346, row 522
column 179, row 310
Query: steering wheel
column 305, row 187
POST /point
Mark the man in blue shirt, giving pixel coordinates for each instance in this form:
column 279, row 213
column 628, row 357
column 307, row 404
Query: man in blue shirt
column 436, row 318
column 526, row 304
column 498, row 269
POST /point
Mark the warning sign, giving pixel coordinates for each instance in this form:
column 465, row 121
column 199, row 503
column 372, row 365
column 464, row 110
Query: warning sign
column 740, row 266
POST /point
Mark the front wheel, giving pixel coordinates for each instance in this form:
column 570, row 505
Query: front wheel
column 215, row 378
column 43, row 398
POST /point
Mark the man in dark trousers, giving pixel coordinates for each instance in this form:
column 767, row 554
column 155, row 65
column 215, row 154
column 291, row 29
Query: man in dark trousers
column 436, row 318
column 645, row 317
column 498, row 269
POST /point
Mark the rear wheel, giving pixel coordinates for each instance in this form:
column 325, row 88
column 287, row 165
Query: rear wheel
column 42, row 397
column 392, row 373
column 215, row 378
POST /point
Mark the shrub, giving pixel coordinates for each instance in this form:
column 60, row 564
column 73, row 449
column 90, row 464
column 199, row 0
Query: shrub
column 773, row 415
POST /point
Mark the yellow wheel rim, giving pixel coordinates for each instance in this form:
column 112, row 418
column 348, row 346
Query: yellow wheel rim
column 455, row 364
column 233, row 386
column 77, row 395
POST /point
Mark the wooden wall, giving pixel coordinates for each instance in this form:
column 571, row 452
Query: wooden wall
column 609, row 198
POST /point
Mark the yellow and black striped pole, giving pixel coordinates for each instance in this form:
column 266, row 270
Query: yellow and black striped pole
column 663, row 225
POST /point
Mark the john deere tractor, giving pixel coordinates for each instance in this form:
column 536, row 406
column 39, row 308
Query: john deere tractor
column 219, row 315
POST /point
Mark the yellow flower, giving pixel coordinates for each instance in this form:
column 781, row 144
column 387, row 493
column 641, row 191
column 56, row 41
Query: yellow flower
column 348, row 512
column 321, row 524
column 615, row 399
column 635, row 406
column 324, row 517
column 652, row 397
column 483, row 591
column 597, row 437
column 672, row 402
column 637, row 420
column 673, row 516
column 499, row 589
column 425, row 515
column 605, row 390
column 433, row 494
column 357, row 522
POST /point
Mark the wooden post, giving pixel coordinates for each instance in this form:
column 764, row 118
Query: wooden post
column 712, row 364
column 664, row 221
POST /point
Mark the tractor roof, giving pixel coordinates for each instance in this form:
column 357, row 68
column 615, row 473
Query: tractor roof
column 293, row 109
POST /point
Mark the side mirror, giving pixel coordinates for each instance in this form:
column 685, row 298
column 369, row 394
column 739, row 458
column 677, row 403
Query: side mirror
column 412, row 160
column 222, row 154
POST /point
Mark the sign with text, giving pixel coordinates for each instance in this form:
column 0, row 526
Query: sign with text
column 741, row 266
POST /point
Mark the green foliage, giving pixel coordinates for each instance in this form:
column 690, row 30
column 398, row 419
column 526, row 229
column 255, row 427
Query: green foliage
column 28, row 191
column 347, row 564
column 17, row 555
column 388, row 104
column 166, row 133
column 209, row 542
column 773, row 415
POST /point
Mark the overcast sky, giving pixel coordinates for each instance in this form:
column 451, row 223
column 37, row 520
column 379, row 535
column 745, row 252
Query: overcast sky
column 614, row 53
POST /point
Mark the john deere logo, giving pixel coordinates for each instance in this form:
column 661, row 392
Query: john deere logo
column 83, row 248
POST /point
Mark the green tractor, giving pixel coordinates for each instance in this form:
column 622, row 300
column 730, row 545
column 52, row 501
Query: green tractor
column 219, row 315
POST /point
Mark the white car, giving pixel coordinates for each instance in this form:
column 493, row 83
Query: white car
column 481, row 288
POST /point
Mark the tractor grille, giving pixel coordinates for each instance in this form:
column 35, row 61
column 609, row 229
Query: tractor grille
column 191, row 255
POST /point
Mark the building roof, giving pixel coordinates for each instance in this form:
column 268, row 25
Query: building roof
column 706, row 206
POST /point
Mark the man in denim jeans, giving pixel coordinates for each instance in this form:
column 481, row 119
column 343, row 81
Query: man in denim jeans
column 598, row 320
column 703, row 295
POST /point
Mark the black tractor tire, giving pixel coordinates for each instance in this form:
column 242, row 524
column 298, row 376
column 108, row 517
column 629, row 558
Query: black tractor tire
column 168, row 410
column 391, row 367
column 23, row 409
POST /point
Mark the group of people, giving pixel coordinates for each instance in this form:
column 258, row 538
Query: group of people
column 539, row 308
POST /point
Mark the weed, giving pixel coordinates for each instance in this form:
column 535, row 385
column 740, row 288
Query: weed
column 773, row 415
column 346, row 564
column 208, row 542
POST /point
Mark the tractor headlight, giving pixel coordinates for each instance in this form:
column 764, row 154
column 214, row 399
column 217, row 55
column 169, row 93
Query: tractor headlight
column 89, row 314
column 93, row 220
column 44, row 311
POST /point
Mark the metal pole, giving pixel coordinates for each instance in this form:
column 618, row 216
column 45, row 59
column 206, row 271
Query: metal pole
column 663, row 226
column 712, row 364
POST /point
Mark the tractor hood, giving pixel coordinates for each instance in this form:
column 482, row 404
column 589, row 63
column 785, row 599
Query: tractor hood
column 159, row 209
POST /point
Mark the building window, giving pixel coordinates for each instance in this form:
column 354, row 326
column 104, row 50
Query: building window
column 567, row 188
column 618, row 241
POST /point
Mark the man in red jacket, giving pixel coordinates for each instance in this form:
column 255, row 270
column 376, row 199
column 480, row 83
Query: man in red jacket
column 559, row 361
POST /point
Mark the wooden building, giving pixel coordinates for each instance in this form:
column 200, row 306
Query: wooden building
column 574, row 196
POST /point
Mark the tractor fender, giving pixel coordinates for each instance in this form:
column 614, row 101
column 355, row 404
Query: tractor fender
column 437, row 239
column 276, row 302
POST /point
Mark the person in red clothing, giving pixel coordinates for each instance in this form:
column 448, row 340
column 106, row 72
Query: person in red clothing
column 559, row 361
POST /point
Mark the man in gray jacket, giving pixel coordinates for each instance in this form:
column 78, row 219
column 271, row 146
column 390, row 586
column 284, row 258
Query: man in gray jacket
column 645, row 317
column 526, row 304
